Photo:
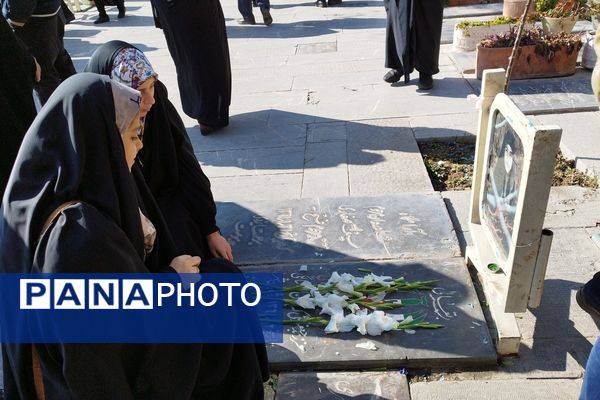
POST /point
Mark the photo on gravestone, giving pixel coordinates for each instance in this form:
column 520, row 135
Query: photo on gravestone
column 502, row 183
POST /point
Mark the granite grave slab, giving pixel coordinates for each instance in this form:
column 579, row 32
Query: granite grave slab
column 549, row 96
column 390, row 385
column 403, row 226
column 464, row 339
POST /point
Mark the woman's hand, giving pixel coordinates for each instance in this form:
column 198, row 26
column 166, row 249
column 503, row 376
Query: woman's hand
column 219, row 246
column 186, row 264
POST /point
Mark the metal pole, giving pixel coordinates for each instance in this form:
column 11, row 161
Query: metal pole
column 513, row 55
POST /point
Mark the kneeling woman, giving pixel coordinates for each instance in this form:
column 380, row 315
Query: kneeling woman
column 168, row 162
column 71, row 206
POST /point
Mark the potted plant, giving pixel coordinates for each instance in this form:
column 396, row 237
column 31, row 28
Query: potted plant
column 540, row 54
column 468, row 33
column 560, row 15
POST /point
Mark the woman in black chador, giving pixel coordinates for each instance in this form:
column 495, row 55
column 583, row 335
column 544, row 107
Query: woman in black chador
column 73, row 207
column 413, row 35
column 197, row 40
column 169, row 165
column 17, row 110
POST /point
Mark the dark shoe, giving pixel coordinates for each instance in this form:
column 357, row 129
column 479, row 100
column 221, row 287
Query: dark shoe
column 425, row 82
column 254, row 3
column 332, row 3
column 586, row 304
column 101, row 19
column 121, row 13
column 206, row 130
column 245, row 21
column 266, row 16
column 392, row 76
column 321, row 3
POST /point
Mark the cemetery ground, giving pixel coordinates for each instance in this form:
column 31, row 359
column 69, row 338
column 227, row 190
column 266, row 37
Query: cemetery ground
column 315, row 133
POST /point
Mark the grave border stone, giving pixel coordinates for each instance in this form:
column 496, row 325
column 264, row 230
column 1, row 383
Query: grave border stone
column 520, row 281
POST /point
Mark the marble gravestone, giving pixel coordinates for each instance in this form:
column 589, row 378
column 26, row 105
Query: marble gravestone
column 403, row 226
column 408, row 235
column 464, row 340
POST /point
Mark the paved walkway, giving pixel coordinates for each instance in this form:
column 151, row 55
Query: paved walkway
column 310, row 116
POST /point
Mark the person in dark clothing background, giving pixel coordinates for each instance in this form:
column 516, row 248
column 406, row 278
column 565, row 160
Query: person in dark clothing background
column 169, row 165
column 413, row 35
column 245, row 8
column 18, row 73
column 103, row 16
column 197, row 40
column 41, row 26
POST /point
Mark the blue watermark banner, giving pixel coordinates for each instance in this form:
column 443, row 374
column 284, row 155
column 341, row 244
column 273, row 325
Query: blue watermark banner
column 141, row 308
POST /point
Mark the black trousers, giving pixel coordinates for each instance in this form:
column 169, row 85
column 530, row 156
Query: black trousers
column 44, row 38
column 101, row 3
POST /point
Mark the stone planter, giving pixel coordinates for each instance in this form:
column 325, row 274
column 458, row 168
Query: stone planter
column 528, row 64
column 467, row 39
column 515, row 8
column 557, row 25
column 588, row 57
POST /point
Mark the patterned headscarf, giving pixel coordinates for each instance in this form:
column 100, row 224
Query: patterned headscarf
column 131, row 68
column 127, row 104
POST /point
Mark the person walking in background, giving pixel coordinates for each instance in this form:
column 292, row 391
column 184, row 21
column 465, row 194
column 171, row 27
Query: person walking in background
column 197, row 40
column 245, row 8
column 40, row 24
column 413, row 35
column 103, row 16
column 18, row 73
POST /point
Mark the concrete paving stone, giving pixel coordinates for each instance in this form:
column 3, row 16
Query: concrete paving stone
column 238, row 137
column 257, row 187
column 327, row 132
column 559, row 316
column 312, row 48
column 568, row 207
column 342, row 385
column 454, row 127
column 573, row 206
column 321, row 81
column 473, row 10
column 325, row 170
column 384, row 159
column 579, row 140
column 573, row 252
column 458, row 203
column 543, row 389
column 259, row 161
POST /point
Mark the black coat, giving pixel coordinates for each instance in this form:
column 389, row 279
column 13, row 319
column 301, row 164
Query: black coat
column 413, row 35
column 17, row 110
column 197, row 40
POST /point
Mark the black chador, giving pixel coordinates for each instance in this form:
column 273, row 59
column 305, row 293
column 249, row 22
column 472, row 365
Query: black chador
column 197, row 40
column 170, row 167
column 413, row 35
column 74, row 153
column 17, row 110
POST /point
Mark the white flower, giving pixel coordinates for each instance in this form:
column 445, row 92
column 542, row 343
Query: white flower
column 332, row 326
column 331, row 303
column 308, row 285
column 379, row 322
column 306, row 302
column 353, row 307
